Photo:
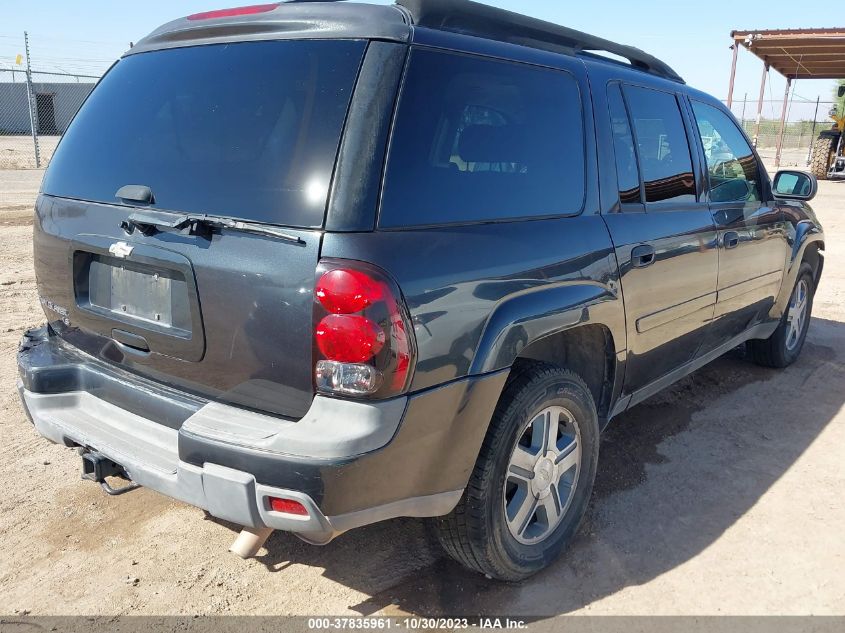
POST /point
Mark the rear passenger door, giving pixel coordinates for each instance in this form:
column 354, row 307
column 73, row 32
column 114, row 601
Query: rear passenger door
column 752, row 246
column 664, row 235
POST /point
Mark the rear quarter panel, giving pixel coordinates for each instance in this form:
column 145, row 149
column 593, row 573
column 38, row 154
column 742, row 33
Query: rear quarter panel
column 479, row 294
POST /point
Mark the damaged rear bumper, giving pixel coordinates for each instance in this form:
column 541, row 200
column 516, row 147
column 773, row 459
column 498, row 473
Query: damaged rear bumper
column 348, row 463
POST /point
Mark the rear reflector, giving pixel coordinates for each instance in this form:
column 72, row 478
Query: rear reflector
column 288, row 506
column 230, row 13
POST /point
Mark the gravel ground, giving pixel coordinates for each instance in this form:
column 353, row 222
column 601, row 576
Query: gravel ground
column 722, row 495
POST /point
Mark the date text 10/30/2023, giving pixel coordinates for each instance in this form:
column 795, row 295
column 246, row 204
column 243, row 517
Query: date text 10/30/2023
column 415, row 624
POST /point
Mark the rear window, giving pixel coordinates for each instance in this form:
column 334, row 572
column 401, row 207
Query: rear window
column 480, row 140
column 249, row 130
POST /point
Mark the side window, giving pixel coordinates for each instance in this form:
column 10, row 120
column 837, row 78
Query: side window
column 627, row 171
column 478, row 140
column 731, row 165
column 662, row 145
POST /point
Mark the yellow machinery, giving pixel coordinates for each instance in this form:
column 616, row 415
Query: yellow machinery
column 827, row 160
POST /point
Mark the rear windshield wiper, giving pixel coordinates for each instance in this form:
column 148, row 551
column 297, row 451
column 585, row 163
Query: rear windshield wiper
column 148, row 221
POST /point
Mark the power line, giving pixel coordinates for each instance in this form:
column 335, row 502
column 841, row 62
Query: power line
column 46, row 72
column 51, row 38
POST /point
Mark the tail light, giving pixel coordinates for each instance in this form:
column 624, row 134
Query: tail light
column 364, row 342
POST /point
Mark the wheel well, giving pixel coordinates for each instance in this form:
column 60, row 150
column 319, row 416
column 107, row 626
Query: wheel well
column 587, row 350
column 812, row 257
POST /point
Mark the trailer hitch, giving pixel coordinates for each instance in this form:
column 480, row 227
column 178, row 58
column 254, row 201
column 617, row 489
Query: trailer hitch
column 97, row 467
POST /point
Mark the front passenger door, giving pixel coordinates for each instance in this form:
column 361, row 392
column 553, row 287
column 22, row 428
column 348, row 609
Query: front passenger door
column 752, row 252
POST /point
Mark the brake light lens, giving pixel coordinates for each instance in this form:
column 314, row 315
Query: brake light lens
column 363, row 338
column 234, row 12
column 349, row 338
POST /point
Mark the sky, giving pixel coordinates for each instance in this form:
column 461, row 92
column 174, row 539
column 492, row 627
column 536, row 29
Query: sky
column 694, row 38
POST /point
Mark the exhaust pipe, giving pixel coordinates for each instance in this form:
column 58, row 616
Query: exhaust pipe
column 250, row 540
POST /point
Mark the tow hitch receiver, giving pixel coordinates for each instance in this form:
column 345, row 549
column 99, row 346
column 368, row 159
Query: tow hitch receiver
column 96, row 467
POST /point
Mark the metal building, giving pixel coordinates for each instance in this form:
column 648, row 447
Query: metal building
column 55, row 105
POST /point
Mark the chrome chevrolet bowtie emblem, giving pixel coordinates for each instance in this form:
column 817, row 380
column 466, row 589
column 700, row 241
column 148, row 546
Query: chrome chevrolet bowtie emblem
column 121, row 249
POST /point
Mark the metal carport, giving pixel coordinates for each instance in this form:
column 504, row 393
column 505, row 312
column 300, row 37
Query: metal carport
column 795, row 54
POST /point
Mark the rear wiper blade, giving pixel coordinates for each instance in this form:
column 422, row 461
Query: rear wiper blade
column 148, row 220
column 145, row 220
column 239, row 225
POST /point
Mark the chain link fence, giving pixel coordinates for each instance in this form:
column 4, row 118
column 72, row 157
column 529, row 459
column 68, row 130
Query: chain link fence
column 35, row 110
column 804, row 120
column 40, row 92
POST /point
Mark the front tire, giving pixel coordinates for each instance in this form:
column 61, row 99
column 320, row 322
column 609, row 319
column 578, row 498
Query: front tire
column 784, row 346
column 533, row 478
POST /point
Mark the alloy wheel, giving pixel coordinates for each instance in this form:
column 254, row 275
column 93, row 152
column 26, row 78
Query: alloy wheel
column 542, row 475
column 797, row 314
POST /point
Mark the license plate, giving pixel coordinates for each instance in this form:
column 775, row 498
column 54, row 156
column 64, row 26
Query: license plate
column 134, row 292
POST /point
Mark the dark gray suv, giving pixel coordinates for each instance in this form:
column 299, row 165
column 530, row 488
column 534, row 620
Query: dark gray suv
column 313, row 265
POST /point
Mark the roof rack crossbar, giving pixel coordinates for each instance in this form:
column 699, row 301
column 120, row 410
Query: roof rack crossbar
column 473, row 18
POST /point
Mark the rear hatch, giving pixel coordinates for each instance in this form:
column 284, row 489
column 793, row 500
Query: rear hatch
column 178, row 230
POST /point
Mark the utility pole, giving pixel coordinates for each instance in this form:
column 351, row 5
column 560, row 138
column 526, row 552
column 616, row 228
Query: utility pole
column 33, row 116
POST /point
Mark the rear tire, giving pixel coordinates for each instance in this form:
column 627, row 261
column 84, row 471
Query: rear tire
column 783, row 347
column 821, row 158
column 533, row 478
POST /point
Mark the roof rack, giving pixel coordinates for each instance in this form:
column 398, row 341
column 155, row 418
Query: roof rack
column 474, row 18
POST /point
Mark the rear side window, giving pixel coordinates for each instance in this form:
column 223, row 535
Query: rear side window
column 481, row 140
column 249, row 130
column 627, row 172
column 662, row 145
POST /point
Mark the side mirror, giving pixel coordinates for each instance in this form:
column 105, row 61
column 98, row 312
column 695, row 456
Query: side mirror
column 794, row 185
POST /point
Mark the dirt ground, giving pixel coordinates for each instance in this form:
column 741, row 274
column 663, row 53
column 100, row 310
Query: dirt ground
column 18, row 152
column 723, row 495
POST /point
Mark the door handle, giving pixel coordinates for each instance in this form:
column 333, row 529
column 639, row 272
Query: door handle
column 642, row 256
column 130, row 343
column 730, row 239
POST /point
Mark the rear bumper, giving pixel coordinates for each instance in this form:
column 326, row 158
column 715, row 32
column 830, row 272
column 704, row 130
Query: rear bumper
column 349, row 463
